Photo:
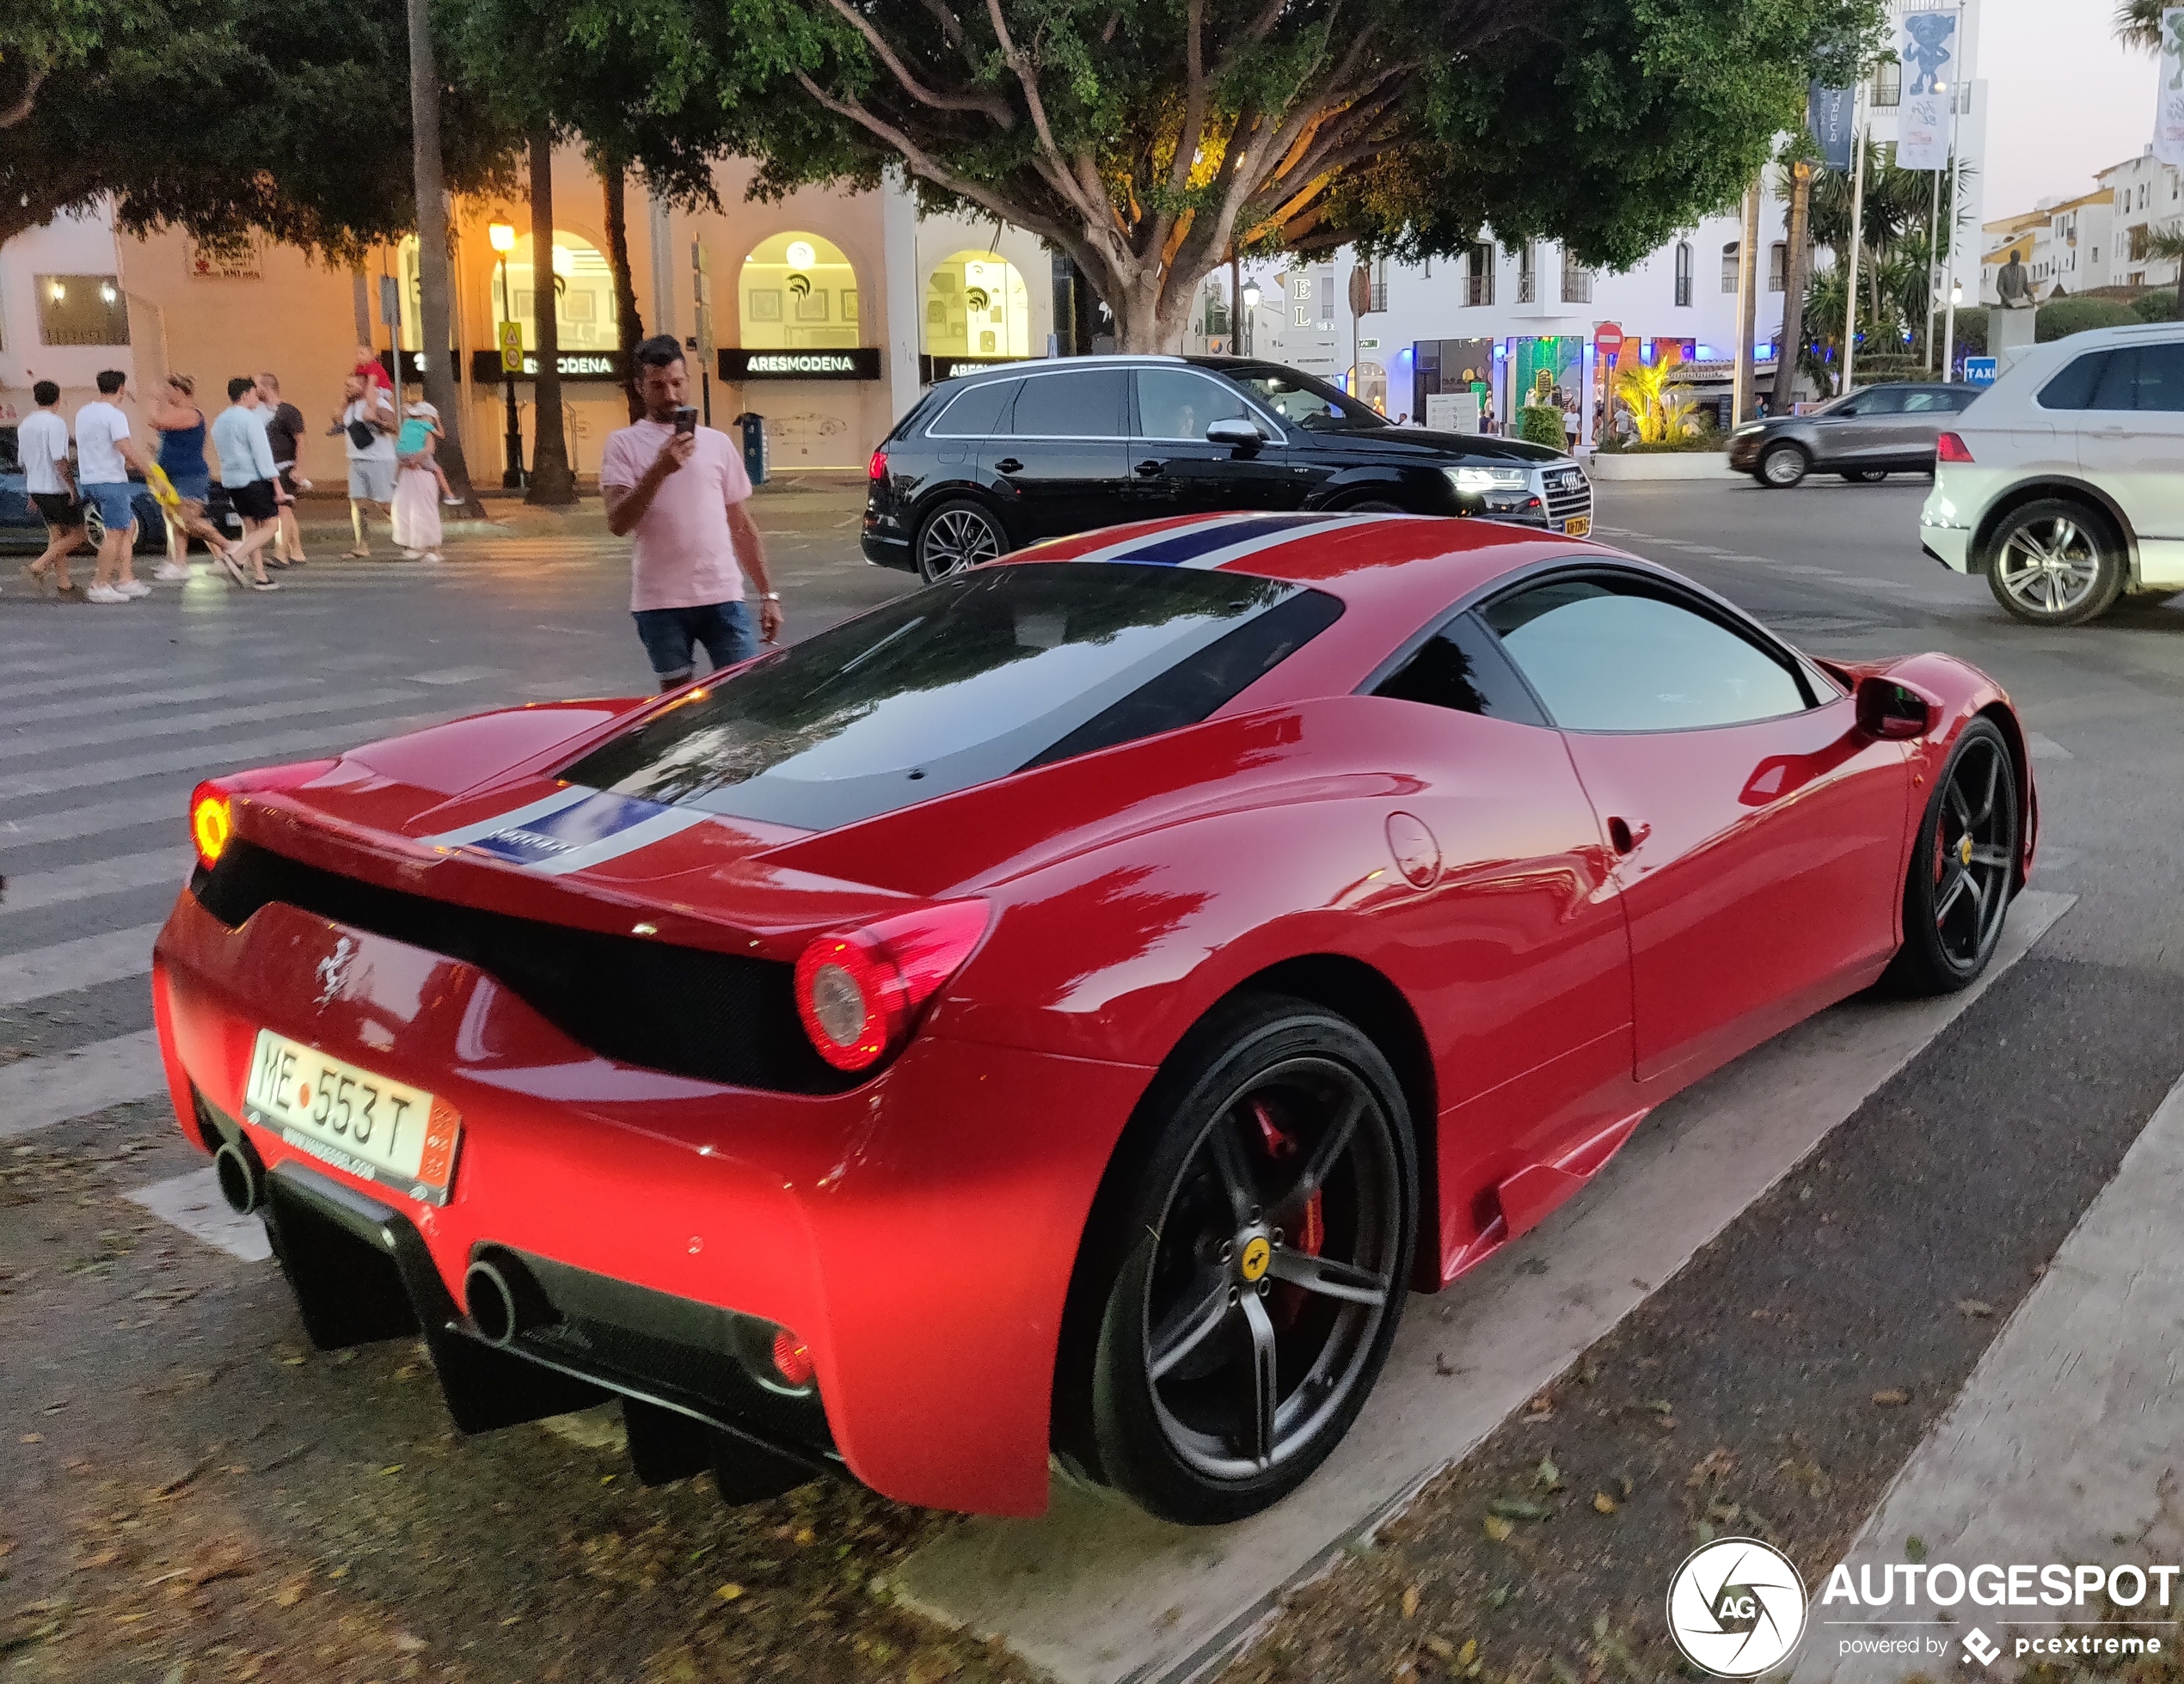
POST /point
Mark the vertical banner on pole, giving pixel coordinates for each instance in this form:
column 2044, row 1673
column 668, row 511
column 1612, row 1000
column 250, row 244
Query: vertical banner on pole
column 2168, row 108
column 1832, row 114
column 1928, row 49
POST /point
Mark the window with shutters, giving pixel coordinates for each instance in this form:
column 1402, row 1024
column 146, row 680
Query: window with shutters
column 1684, row 271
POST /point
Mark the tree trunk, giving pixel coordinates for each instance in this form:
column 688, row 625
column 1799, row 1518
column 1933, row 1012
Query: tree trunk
column 551, row 478
column 1742, row 387
column 629, row 327
column 1796, row 267
column 433, row 285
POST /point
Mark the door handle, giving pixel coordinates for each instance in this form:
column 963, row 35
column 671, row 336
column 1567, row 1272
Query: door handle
column 1146, row 470
column 1008, row 465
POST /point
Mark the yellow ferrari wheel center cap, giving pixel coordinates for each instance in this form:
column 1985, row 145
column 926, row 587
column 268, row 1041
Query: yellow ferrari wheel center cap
column 1964, row 850
column 1257, row 1254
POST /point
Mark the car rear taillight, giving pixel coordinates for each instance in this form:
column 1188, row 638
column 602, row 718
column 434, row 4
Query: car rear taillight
column 877, row 468
column 211, row 819
column 1951, row 447
column 858, row 989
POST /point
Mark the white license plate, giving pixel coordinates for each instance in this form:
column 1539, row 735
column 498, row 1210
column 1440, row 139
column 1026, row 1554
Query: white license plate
column 1577, row 526
column 368, row 1124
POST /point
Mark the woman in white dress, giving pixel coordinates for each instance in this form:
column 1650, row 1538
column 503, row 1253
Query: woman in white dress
column 417, row 486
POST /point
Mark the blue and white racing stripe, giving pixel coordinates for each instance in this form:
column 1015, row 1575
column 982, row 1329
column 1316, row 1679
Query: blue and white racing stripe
column 1224, row 539
column 568, row 831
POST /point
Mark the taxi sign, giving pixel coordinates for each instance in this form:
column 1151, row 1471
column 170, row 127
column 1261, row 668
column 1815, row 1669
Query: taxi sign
column 512, row 347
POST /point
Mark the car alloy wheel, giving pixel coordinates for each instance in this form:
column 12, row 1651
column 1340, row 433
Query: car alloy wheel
column 1268, row 1237
column 2054, row 565
column 958, row 536
column 1782, row 466
column 1963, row 868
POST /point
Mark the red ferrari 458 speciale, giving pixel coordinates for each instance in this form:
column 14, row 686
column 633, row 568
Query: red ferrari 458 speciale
column 1060, row 1013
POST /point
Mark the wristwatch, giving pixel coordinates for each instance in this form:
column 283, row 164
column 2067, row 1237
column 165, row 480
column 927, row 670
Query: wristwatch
column 770, row 596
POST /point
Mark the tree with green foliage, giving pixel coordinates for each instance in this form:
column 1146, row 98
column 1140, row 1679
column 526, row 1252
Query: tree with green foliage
column 1149, row 141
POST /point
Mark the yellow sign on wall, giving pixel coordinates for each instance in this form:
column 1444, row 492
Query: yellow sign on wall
column 512, row 347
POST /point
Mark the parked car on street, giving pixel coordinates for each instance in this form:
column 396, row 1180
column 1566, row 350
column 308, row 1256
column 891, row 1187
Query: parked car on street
column 988, row 462
column 1063, row 1011
column 21, row 527
column 1866, row 436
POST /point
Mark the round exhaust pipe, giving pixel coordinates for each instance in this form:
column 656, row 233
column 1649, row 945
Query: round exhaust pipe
column 243, row 1180
column 503, row 1299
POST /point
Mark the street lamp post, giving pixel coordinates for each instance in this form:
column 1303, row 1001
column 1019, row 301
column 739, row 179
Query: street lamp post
column 1250, row 311
column 503, row 236
column 1956, row 291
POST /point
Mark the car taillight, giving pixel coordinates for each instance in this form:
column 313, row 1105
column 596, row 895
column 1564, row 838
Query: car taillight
column 1951, row 447
column 857, row 989
column 877, row 468
column 211, row 819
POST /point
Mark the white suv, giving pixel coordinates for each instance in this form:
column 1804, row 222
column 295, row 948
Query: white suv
column 2064, row 483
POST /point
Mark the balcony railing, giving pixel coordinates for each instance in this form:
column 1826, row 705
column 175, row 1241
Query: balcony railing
column 1577, row 283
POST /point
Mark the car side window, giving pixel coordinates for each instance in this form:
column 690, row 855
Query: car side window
column 1461, row 668
column 1927, row 403
column 976, row 412
column 1606, row 654
column 1882, row 401
column 1087, row 404
column 2156, row 380
column 2073, row 388
column 1172, row 404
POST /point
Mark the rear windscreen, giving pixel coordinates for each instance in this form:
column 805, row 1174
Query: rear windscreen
column 966, row 681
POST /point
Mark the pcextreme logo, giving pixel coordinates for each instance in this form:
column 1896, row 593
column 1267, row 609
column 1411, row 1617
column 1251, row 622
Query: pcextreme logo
column 1736, row 1608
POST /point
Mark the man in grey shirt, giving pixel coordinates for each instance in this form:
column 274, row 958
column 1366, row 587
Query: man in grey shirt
column 253, row 484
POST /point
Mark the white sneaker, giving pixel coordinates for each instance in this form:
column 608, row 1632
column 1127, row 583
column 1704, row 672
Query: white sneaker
column 135, row 587
column 104, row 593
column 173, row 574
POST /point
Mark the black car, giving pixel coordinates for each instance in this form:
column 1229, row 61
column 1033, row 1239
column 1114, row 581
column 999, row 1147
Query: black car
column 21, row 527
column 989, row 462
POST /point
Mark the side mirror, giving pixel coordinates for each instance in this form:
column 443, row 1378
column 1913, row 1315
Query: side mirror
column 1895, row 712
column 1236, row 433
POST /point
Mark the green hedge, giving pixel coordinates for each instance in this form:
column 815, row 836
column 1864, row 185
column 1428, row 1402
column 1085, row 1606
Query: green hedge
column 2156, row 306
column 1543, row 425
column 2065, row 316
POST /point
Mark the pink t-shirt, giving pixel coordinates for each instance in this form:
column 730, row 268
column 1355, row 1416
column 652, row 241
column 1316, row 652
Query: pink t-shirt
column 680, row 554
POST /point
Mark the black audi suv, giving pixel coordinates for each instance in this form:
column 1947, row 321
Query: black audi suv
column 989, row 462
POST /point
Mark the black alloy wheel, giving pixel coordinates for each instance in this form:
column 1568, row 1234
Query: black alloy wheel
column 1963, row 868
column 957, row 536
column 1781, row 466
column 2055, row 562
column 1258, row 1248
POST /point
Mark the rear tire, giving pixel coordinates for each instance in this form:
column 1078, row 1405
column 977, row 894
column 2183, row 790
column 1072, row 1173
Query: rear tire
column 1245, row 1266
column 2056, row 562
column 1963, row 866
column 1865, row 476
column 1376, row 507
column 957, row 536
column 1781, row 466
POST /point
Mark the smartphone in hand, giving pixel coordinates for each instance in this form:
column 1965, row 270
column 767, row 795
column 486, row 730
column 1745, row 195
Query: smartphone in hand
column 686, row 420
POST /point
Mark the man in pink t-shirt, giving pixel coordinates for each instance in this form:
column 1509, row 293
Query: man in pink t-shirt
column 680, row 498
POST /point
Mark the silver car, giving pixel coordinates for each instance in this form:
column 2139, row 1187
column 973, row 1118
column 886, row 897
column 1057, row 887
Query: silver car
column 1875, row 432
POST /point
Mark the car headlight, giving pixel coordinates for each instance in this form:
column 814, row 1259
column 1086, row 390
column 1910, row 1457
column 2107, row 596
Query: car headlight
column 1472, row 481
column 1748, row 429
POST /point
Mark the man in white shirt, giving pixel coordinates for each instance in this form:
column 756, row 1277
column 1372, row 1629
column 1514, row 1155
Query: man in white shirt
column 369, row 419
column 42, row 442
column 104, row 454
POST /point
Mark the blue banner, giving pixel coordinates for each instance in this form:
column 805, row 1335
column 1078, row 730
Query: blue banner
column 1832, row 112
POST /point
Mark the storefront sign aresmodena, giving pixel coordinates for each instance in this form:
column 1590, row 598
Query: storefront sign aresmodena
column 485, row 365
column 858, row 363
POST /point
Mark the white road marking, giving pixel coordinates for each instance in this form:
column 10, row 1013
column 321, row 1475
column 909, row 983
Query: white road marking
column 193, row 1205
column 1070, row 1592
column 2065, row 1435
column 117, row 684
column 72, row 822
column 457, row 675
column 121, row 700
column 189, row 722
column 38, row 1093
column 123, row 872
column 2045, row 747
column 83, row 963
column 202, row 760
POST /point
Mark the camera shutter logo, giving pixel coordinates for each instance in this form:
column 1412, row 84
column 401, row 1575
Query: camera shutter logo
column 1736, row 1608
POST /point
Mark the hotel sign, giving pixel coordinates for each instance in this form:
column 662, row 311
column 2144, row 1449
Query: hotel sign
column 858, row 363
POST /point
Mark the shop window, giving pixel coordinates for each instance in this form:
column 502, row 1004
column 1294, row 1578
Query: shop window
column 1682, row 271
column 977, row 305
column 81, row 310
column 582, row 290
column 1368, row 381
column 798, row 292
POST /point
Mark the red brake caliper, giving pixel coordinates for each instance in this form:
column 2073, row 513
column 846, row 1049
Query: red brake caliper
column 1311, row 1234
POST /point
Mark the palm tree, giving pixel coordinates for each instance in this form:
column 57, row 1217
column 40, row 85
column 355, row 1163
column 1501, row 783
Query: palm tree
column 2167, row 244
column 1660, row 411
column 2138, row 23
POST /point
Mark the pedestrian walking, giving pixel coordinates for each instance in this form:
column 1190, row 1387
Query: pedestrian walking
column 181, row 426
column 104, row 454
column 285, row 432
column 41, row 442
column 367, row 417
column 418, row 485
column 253, row 482
column 679, row 492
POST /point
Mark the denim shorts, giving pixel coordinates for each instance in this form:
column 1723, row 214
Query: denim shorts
column 116, row 504
column 670, row 635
